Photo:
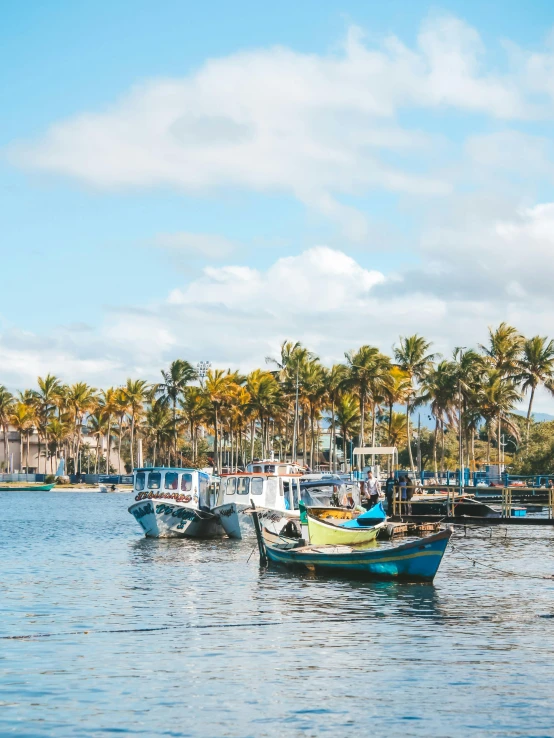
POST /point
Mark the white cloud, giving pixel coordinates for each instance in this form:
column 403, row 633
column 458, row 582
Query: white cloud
column 274, row 120
column 206, row 245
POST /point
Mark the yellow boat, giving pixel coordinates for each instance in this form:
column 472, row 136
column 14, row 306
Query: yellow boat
column 324, row 531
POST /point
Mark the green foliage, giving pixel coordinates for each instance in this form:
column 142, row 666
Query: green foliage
column 537, row 456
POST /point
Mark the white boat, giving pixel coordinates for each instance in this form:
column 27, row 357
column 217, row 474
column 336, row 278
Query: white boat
column 175, row 503
column 105, row 488
column 273, row 486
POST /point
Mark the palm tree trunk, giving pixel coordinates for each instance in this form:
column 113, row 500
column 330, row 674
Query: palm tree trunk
column 390, row 422
column 312, row 431
column 499, row 439
column 435, row 438
column 442, row 446
column 119, row 446
column 409, row 437
column 27, row 454
column 373, row 431
column 361, row 459
column 132, row 440
column 252, row 431
column 97, row 454
column 108, row 445
column 304, row 442
column 216, row 440
column 332, row 454
column 529, row 413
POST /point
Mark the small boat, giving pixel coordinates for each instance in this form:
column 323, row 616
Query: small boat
column 464, row 507
column 105, row 488
column 26, row 487
column 174, row 503
column 275, row 488
column 325, row 529
column 414, row 561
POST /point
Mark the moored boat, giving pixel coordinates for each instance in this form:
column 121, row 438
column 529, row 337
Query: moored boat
column 414, row 561
column 323, row 528
column 26, row 487
column 174, row 503
column 273, row 486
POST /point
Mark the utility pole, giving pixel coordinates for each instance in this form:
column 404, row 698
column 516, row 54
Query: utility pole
column 295, row 431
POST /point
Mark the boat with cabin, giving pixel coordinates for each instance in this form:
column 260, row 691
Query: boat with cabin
column 175, row 503
column 273, row 486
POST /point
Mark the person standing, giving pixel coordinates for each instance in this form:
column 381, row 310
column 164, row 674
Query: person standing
column 372, row 490
column 389, row 492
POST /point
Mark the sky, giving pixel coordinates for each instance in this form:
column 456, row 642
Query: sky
column 206, row 180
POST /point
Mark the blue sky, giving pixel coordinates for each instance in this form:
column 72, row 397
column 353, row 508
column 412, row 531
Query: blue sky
column 376, row 168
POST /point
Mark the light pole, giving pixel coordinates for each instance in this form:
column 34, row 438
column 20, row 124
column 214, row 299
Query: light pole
column 202, row 369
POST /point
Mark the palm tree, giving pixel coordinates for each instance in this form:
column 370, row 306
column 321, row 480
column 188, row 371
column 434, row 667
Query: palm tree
column 216, row 390
column 367, row 375
column 499, row 396
column 121, row 409
column 58, row 432
column 22, row 418
column 263, row 390
column 536, row 367
column 81, row 399
column 334, row 381
column 108, row 401
column 504, row 350
column 47, row 397
column 6, row 409
column 411, row 356
column 159, row 427
column 439, row 390
column 395, row 392
column 348, row 419
column 194, row 407
column 98, row 427
column 397, row 428
column 135, row 393
column 173, row 387
column 314, row 391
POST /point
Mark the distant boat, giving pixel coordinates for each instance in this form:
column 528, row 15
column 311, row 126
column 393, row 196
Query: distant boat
column 26, row 487
column 174, row 503
column 415, row 561
column 325, row 529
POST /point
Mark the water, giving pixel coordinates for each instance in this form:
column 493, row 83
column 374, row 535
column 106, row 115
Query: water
column 140, row 636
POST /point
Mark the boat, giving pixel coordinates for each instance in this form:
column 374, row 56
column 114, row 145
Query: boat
column 105, row 488
column 26, row 487
column 273, row 486
column 172, row 502
column 413, row 561
column 464, row 507
column 324, row 528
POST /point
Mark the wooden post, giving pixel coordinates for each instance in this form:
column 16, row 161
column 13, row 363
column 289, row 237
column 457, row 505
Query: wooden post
column 259, row 536
column 551, row 503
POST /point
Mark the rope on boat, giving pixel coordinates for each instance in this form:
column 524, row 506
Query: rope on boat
column 501, row 571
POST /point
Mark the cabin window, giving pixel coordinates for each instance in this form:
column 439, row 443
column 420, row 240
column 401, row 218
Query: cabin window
column 154, row 480
column 242, row 485
column 171, row 480
column 295, row 493
column 270, row 468
column 256, row 486
column 257, row 469
column 186, row 483
column 140, row 481
column 231, row 486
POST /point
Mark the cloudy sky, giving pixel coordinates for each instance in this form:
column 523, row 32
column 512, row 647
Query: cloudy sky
column 206, row 180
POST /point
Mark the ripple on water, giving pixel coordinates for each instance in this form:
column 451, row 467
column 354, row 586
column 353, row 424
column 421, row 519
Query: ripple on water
column 185, row 638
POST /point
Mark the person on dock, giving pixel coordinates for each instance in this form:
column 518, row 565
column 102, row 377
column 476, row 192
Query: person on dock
column 372, row 490
column 410, row 489
column 389, row 492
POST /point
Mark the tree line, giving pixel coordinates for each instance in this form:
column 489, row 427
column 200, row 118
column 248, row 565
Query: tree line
column 282, row 406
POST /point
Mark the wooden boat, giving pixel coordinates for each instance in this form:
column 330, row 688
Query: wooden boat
column 174, row 503
column 324, row 529
column 414, row 561
column 26, row 487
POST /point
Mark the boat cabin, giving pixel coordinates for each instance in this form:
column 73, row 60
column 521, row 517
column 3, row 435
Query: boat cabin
column 279, row 468
column 190, row 487
column 265, row 489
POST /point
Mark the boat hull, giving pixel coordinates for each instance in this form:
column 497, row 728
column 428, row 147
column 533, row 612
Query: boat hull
column 236, row 520
column 416, row 561
column 322, row 532
column 162, row 519
column 27, row 487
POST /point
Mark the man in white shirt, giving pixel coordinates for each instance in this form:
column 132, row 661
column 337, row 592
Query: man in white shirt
column 372, row 489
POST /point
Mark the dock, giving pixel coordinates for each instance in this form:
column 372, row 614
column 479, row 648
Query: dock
column 466, row 520
column 395, row 528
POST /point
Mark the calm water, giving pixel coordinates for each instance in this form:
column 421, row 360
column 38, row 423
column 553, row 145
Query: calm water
column 184, row 638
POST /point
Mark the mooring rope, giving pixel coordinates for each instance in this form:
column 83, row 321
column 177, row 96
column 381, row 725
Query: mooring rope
column 501, row 571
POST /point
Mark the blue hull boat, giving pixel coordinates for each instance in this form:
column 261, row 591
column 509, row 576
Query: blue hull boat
column 414, row 561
